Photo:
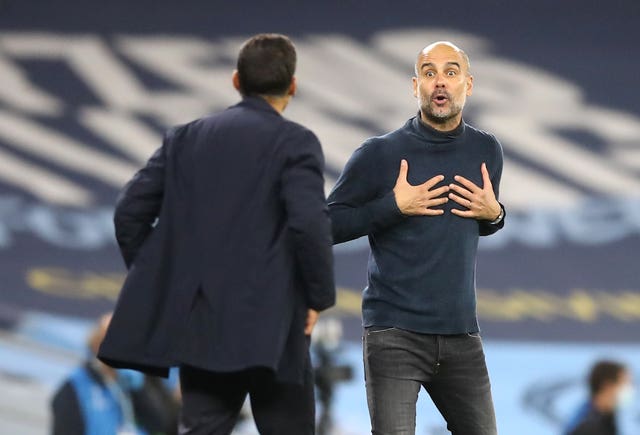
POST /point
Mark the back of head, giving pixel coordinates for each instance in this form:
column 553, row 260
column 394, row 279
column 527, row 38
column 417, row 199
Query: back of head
column 603, row 374
column 266, row 65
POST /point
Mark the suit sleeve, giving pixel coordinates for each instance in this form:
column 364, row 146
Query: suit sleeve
column 358, row 204
column 302, row 190
column 138, row 205
column 487, row 228
column 67, row 419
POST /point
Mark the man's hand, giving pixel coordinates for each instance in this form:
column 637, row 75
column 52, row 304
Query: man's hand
column 480, row 202
column 312, row 318
column 418, row 200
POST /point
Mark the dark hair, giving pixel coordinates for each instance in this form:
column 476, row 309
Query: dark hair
column 266, row 64
column 603, row 373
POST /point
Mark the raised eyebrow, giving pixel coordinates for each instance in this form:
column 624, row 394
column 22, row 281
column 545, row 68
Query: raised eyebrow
column 432, row 65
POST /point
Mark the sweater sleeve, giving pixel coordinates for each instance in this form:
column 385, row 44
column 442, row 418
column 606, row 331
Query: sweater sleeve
column 487, row 228
column 358, row 204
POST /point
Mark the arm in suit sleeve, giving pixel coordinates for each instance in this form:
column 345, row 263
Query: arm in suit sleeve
column 486, row 227
column 138, row 205
column 358, row 204
column 302, row 190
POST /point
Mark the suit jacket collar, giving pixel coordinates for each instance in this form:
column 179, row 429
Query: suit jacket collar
column 257, row 103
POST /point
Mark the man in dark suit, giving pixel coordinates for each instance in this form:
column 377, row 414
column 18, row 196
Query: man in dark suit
column 226, row 236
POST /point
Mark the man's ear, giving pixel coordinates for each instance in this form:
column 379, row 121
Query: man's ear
column 293, row 87
column 469, row 85
column 235, row 78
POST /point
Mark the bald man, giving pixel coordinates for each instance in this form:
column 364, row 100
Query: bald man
column 423, row 194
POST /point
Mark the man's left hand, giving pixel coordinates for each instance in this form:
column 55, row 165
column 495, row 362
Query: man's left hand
column 481, row 202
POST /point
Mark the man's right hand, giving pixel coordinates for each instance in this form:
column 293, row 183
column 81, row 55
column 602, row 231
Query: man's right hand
column 419, row 200
column 312, row 319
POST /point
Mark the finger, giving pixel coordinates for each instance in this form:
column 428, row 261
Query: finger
column 485, row 176
column 309, row 328
column 431, row 212
column 404, row 169
column 462, row 201
column 438, row 192
column 462, row 191
column 466, row 183
column 312, row 318
column 432, row 181
column 463, row 213
column 436, row 201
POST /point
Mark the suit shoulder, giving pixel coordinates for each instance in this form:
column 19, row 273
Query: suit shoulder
column 180, row 129
column 292, row 128
column 205, row 121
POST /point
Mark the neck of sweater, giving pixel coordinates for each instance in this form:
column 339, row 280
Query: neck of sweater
column 433, row 136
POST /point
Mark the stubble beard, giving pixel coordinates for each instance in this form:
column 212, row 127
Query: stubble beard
column 439, row 116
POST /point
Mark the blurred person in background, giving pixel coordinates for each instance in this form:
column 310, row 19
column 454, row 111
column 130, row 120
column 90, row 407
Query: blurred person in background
column 610, row 388
column 97, row 399
column 226, row 236
column 419, row 307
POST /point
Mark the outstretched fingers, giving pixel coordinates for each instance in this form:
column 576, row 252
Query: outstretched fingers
column 466, row 183
column 419, row 199
column 438, row 192
column 461, row 192
column 486, row 179
column 460, row 200
column 431, row 182
column 463, row 213
column 402, row 173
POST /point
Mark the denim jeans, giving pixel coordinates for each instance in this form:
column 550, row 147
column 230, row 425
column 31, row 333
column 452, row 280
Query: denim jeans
column 451, row 368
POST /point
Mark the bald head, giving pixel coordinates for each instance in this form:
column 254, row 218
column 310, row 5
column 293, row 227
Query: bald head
column 441, row 48
column 442, row 84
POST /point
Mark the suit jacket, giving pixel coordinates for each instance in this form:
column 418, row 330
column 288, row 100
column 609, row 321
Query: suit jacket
column 227, row 239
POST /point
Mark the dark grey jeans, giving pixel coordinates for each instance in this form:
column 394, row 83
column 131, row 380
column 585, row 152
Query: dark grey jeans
column 451, row 368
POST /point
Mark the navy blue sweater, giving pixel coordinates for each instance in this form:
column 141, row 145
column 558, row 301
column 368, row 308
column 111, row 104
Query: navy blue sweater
column 421, row 268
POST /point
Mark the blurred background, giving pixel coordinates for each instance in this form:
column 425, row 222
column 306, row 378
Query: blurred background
column 86, row 90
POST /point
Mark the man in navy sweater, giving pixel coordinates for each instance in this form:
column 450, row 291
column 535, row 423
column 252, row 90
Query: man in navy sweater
column 423, row 194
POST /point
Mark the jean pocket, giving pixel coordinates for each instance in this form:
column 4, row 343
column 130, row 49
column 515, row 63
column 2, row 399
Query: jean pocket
column 473, row 334
column 371, row 331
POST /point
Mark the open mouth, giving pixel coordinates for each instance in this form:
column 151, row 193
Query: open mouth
column 440, row 99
